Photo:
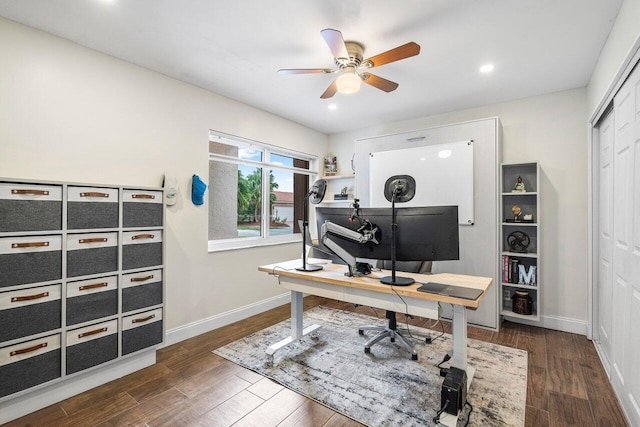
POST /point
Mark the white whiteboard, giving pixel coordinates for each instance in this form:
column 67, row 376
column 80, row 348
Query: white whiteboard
column 443, row 174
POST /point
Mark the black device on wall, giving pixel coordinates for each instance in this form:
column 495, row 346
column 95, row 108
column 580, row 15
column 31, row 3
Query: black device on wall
column 423, row 234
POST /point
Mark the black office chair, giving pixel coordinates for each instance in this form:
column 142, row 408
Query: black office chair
column 391, row 329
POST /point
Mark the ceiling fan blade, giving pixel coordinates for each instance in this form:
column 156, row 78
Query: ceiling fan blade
column 401, row 52
column 331, row 90
column 379, row 82
column 334, row 40
column 306, row 71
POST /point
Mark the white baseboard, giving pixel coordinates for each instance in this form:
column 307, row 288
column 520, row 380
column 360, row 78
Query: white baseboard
column 563, row 324
column 32, row 400
column 191, row 330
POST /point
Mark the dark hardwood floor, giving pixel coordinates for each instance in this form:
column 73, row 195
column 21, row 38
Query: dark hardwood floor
column 191, row 386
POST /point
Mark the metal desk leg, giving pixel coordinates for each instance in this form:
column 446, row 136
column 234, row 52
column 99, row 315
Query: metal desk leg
column 459, row 337
column 460, row 342
column 297, row 330
column 459, row 356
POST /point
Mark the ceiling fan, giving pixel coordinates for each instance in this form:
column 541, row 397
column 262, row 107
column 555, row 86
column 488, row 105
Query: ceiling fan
column 352, row 68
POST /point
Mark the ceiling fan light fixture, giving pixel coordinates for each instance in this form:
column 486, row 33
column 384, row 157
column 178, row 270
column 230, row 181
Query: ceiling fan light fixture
column 348, row 82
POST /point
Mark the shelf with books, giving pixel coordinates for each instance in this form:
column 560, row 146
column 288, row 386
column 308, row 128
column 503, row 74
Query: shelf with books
column 521, row 289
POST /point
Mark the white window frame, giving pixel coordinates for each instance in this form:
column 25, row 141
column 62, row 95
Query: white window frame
column 264, row 239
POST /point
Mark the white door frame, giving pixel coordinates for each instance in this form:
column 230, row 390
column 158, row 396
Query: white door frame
column 632, row 58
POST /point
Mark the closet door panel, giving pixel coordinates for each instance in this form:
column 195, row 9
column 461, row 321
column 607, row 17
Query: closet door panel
column 632, row 367
column 623, row 107
column 605, row 231
column 626, row 256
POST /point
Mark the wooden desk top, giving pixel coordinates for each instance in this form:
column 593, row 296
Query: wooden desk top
column 334, row 274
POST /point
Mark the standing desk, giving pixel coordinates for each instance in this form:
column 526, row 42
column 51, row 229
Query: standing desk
column 367, row 290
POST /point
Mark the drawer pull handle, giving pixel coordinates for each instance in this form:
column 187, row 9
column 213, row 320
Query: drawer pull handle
column 142, row 236
column 143, row 319
column 28, row 349
column 89, row 333
column 94, row 194
column 142, row 279
column 143, row 196
column 93, row 286
column 94, row 240
column 30, row 297
column 30, row 245
column 33, row 192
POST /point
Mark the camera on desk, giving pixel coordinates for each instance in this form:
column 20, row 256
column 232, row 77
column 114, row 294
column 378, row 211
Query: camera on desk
column 454, row 391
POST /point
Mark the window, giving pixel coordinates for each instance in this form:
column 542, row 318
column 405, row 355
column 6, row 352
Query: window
column 256, row 192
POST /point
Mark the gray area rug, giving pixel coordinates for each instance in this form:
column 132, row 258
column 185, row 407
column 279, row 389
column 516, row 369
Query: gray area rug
column 385, row 387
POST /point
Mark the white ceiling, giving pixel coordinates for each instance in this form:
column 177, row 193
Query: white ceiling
column 235, row 47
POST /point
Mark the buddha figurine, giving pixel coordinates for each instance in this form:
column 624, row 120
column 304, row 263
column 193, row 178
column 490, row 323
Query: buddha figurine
column 519, row 188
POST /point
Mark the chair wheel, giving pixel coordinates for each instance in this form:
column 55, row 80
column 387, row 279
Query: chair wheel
column 414, row 357
column 360, row 332
column 367, row 350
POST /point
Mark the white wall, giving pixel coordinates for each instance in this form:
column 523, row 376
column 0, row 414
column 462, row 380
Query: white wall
column 622, row 37
column 71, row 114
column 552, row 130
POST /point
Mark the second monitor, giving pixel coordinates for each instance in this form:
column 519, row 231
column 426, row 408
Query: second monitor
column 423, row 233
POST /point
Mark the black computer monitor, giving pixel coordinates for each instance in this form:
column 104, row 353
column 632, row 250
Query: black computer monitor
column 423, row 234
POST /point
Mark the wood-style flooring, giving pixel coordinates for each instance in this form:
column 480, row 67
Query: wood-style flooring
column 191, row 386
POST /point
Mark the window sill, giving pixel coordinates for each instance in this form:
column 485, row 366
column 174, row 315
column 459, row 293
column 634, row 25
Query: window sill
column 248, row 243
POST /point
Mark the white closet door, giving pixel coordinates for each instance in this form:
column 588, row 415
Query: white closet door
column 626, row 246
column 605, row 232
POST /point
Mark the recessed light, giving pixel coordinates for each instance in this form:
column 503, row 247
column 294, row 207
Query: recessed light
column 487, row 68
column 332, row 107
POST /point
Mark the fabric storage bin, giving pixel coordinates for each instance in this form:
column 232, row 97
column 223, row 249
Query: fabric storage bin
column 142, row 208
column 91, row 346
column 91, row 299
column 141, row 249
column 30, row 207
column 89, row 207
column 29, row 311
column 140, row 290
column 142, row 330
column 28, row 364
column 91, row 253
column 30, row 259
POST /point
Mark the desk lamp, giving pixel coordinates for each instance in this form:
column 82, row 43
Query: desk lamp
column 314, row 196
column 397, row 189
